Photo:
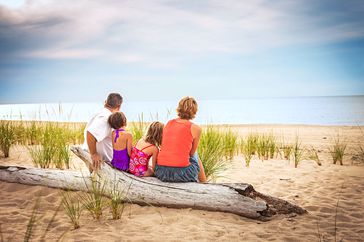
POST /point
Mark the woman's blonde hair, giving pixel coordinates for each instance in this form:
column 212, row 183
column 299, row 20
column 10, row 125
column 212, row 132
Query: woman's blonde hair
column 187, row 108
column 154, row 133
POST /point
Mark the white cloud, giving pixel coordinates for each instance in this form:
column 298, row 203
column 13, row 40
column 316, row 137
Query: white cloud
column 160, row 33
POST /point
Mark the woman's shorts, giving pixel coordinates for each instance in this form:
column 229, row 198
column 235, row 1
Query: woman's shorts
column 179, row 174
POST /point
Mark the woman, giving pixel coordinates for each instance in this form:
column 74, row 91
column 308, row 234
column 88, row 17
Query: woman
column 178, row 161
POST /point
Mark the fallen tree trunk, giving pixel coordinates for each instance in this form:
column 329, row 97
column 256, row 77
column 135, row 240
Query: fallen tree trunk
column 236, row 198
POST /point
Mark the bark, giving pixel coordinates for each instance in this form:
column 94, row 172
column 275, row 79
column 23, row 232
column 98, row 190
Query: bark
column 236, row 198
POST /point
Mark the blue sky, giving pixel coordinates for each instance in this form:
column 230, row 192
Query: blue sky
column 76, row 51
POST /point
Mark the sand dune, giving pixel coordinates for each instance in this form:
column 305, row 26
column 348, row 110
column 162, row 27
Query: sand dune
column 317, row 188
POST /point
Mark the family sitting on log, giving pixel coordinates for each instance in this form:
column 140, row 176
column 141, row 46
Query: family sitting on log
column 172, row 148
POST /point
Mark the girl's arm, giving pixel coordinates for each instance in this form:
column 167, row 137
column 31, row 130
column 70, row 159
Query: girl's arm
column 129, row 143
column 196, row 134
column 154, row 158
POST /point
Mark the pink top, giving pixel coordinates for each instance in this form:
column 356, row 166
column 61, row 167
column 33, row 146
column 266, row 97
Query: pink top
column 139, row 161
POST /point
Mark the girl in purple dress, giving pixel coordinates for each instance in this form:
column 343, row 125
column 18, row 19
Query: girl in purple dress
column 121, row 141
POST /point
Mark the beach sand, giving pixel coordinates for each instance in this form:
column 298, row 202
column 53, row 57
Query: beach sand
column 329, row 193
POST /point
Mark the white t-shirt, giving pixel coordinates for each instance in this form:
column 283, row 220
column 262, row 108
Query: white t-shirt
column 101, row 130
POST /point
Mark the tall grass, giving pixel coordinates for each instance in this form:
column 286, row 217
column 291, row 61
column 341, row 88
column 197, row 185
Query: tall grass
column 53, row 148
column 72, row 207
column 230, row 144
column 93, row 200
column 337, row 151
column 118, row 197
column 297, row 152
column 32, row 221
column 266, row 146
column 313, row 155
column 211, row 152
column 138, row 128
column 247, row 148
column 7, row 137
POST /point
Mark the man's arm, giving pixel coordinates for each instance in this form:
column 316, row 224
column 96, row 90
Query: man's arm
column 91, row 143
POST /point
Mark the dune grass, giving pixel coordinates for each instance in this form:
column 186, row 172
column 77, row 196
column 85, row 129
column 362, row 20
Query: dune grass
column 211, row 152
column 7, row 137
column 337, row 150
column 230, row 144
column 297, row 151
column 118, row 196
column 53, row 148
column 72, row 207
column 248, row 148
column 32, row 221
column 93, row 200
column 138, row 128
column 266, row 146
column 313, row 155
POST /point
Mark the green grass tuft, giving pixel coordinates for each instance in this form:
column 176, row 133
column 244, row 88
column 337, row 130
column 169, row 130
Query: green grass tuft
column 7, row 137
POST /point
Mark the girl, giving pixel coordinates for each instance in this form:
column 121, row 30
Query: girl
column 146, row 148
column 121, row 141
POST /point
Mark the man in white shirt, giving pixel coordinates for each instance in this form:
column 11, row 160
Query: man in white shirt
column 98, row 132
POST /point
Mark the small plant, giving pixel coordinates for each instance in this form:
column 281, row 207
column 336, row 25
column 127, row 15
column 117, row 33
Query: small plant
column 72, row 207
column 337, row 151
column 118, row 196
column 313, row 155
column 297, row 152
column 93, row 200
column 247, row 148
column 138, row 128
column 272, row 146
column 32, row 221
column 230, row 144
column 7, row 137
column 263, row 147
column 211, row 150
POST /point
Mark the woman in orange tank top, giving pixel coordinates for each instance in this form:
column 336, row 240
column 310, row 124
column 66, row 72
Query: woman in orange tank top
column 178, row 160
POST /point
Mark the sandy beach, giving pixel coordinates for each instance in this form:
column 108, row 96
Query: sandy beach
column 330, row 193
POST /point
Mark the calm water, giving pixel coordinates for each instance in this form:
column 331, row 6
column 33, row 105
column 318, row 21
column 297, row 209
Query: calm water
column 346, row 110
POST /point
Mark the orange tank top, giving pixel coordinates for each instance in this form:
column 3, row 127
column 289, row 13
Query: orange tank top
column 176, row 144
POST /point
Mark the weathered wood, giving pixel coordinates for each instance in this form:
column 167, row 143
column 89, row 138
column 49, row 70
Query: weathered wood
column 237, row 198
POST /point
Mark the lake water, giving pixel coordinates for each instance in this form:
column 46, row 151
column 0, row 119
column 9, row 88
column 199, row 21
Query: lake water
column 343, row 110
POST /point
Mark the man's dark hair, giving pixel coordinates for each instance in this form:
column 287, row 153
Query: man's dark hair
column 114, row 100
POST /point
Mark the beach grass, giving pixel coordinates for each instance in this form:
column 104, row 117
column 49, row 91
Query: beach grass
column 72, row 207
column 32, row 221
column 93, row 200
column 230, row 144
column 211, row 152
column 266, row 146
column 7, row 137
column 297, row 151
column 53, row 148
column 117, row 198
column 248, row 147
column 337, row 150
column 313, row 155
column 138, row 128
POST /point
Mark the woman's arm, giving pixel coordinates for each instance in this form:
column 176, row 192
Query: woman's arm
column 196, row 134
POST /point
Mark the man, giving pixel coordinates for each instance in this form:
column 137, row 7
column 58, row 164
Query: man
column 98, row 132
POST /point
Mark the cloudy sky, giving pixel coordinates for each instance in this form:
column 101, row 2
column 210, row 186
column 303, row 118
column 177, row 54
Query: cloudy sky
column 76, row 51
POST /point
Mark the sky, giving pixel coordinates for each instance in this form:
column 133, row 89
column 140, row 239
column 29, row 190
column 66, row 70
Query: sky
column 79, row 51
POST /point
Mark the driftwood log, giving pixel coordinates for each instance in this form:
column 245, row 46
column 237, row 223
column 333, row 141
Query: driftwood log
column 236, row 198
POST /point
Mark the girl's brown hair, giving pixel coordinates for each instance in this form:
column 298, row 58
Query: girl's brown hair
column 117, row 120
column 154, row 133
column 187, row 108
